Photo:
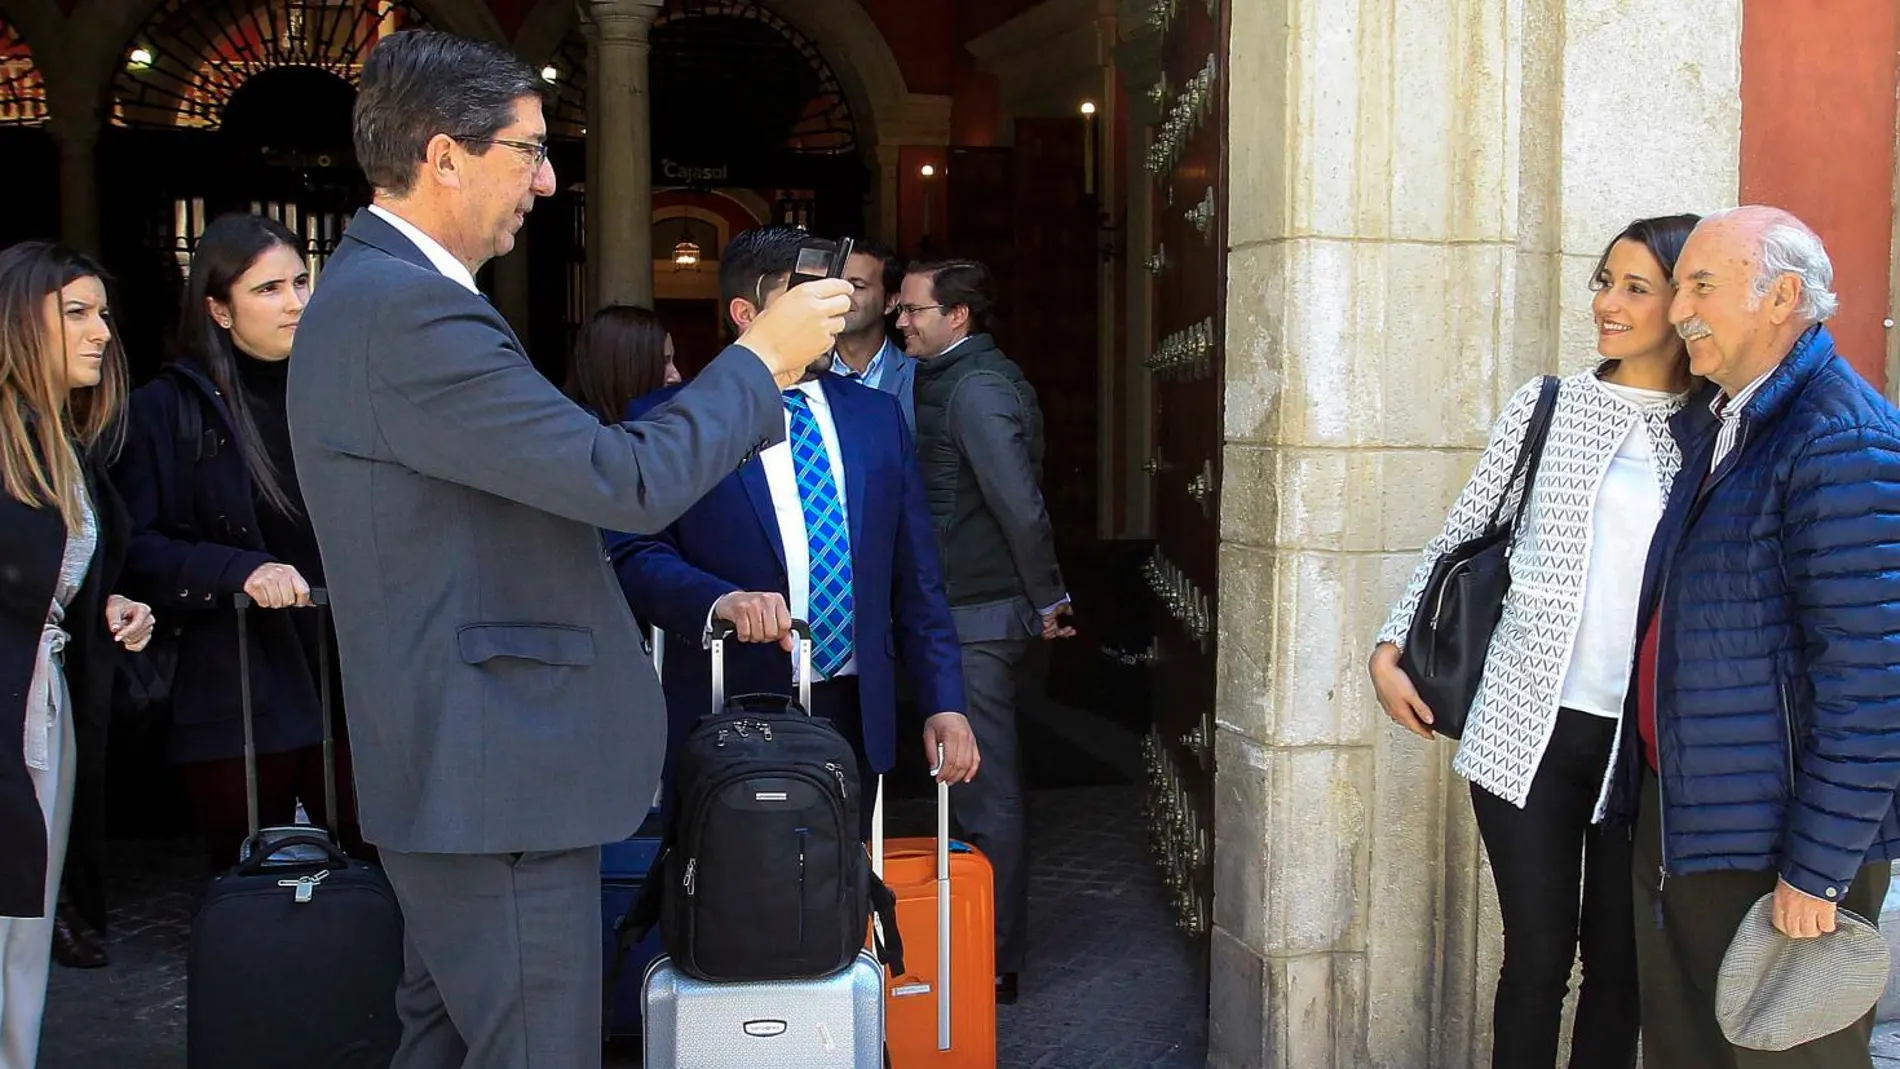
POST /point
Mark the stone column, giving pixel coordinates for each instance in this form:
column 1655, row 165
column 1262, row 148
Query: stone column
column 885, row 208
column 620, row 152
column 1415, row 199
column 78, row 142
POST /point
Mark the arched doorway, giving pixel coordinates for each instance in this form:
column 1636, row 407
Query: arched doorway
column 230, row 105
column 743, row 104
column 29, row 181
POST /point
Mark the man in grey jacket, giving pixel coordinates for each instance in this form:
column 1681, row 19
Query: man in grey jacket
column 979, row 447
column 503, row 721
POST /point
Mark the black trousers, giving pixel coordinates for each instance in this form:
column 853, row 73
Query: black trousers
column 1563, row 887
column 1681, row 956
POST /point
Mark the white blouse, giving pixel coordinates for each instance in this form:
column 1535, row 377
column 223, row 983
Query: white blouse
column 1628, row 506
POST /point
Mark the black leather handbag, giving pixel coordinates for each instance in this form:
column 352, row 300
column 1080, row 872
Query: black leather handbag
column 1451, row 630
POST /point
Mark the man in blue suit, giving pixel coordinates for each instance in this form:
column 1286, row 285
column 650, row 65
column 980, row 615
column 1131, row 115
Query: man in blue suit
column 866, row 352
column 829, row 526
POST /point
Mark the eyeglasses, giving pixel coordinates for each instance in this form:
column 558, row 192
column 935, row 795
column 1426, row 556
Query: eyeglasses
column 914, row 310
column 536, row 151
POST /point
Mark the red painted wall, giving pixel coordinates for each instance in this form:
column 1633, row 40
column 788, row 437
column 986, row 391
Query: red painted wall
column 1818, row 84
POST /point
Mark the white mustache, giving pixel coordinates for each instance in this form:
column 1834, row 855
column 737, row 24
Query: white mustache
column 1692, row 328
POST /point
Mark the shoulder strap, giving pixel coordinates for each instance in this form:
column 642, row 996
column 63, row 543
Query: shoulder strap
column 1529, row 453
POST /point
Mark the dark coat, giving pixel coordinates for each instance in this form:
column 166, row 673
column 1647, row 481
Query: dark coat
column 32, row 545
column 1777, row 699
column 192, row 549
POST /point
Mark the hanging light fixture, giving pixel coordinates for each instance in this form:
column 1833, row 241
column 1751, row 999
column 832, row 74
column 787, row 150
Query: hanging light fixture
column 686, row 256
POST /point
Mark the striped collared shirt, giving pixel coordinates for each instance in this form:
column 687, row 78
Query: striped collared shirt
column 1729, row 411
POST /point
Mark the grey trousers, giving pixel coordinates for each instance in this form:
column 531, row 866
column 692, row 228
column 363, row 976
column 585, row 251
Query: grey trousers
column 502, row 959
column 990, row 807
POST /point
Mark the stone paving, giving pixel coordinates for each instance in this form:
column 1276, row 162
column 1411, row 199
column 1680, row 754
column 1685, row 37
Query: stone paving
column 1110, row 984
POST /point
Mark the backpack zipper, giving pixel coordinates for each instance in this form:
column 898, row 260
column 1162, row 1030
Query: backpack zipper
column 837, row 773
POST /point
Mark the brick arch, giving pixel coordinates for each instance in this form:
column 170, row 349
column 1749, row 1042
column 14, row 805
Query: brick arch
column 110, row 25
column 22, row 82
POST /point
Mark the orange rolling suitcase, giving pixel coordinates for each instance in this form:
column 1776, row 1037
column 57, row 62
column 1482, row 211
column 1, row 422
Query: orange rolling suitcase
column 943, row 888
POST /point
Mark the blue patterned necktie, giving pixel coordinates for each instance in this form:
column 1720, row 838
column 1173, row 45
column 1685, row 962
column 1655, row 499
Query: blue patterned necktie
column 827, row 539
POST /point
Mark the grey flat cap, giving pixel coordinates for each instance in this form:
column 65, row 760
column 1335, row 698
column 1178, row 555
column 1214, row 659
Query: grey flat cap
column 1774, row 992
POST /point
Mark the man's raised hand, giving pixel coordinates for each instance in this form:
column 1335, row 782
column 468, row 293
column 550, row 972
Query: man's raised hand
column 799, row 327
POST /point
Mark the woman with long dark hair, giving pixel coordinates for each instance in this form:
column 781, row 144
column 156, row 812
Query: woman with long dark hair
column 623, row 352
column 1544, row 728
column 62, row 539
column 208, row 476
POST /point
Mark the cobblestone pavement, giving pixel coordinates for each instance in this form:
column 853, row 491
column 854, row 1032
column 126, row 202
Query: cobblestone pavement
column 1110, row 983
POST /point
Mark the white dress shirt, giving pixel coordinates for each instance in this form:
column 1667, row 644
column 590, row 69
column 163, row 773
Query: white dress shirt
column 439, row 256
column 781, row 477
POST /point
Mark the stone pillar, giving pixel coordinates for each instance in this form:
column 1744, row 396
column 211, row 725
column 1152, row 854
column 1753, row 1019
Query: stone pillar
column 885, row 208
column 1415, row 200
column 620, row 152
column 78, row 142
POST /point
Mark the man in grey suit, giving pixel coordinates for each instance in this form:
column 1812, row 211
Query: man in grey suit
column 865, row 350
column 979, row 448
column 503, row 720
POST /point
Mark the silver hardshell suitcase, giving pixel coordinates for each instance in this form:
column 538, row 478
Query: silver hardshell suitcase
column 833, row 1023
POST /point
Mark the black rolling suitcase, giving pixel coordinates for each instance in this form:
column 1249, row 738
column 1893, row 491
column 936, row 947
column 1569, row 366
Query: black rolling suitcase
column 296, row 952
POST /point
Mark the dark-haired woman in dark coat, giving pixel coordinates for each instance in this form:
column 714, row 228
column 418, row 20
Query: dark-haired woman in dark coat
column 208, row 476
column 623, row 352
column 62, row 535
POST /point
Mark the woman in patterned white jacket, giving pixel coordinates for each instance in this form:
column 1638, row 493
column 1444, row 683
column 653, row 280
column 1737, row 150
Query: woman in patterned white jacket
column 1544, row 726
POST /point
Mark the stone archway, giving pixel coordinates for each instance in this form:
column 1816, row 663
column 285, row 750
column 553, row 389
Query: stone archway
column 842, row 30
column 888, row 113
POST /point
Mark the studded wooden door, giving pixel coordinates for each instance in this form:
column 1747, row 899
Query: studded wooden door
column 1187, row 166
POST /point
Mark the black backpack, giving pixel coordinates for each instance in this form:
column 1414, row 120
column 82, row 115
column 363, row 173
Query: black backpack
column 764, row 876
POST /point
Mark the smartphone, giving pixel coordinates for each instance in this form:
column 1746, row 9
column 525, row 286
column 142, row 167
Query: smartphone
column 818, row 259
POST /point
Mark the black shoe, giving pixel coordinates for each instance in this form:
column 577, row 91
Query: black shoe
column 72, row 948
column 1006, row 989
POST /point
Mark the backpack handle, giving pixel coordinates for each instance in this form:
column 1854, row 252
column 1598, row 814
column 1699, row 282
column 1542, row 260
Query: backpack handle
column 723, row 631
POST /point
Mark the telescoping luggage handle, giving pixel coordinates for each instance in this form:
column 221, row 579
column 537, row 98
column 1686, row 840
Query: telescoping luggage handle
column 943, row 887
column 723, row 632
column 320, row 600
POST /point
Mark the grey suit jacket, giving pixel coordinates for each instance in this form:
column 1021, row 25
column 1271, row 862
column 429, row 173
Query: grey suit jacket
column 498, row 699
column 991, row 429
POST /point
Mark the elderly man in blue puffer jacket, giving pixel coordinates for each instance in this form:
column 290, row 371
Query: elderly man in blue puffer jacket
column 1766, row 693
